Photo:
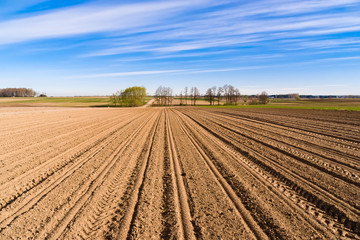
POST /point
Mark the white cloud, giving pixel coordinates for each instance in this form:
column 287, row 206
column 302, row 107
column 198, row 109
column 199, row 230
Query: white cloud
column 120, row 74
column 182, row 71
column 282, row 24
column 89, row 18
column 228, row 69
column 229, row 28
column 10, row 6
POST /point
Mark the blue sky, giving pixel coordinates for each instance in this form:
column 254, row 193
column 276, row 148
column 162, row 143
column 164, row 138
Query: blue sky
column 78, row 47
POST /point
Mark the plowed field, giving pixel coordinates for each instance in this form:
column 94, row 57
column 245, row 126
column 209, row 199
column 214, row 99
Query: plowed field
column 179, row 173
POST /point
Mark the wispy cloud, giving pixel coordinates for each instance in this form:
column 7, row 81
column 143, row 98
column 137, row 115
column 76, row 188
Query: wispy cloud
column 10, row 6
column 120, row 74
column 180, row 37
column 228, row 69
column 352, row 58
column 89, row 18
column 241, row 26
column 156, row 72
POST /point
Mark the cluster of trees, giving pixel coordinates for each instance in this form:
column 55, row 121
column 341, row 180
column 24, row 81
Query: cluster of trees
column 227, row 94
column 17, row 92
column 263, row 98
column 163, row 96
column 214, row 95
column 130, row 97
column 191, row 95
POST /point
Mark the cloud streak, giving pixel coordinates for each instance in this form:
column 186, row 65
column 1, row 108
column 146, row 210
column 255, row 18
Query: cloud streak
column 190, row 39
column 88, row 18
column 157, row 72
column 121, row 74
column 246, row 25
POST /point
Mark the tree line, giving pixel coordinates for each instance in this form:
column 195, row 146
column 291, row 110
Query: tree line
column 17, row 92
column 163, row 96
column 226, row 95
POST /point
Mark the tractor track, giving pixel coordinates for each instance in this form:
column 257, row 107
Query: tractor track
column 337, row 220
column 179, row 173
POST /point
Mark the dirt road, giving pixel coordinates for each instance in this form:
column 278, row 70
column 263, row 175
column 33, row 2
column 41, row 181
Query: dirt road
column 179, row 173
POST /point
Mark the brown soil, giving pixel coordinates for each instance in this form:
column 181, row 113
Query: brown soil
column 179, row 173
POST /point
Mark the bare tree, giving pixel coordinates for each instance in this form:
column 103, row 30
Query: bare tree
column 236, row 96
column 210, row 95
column 231, row 95
column 158, row 96
column 17, row 92
column 214, row 94
column 186, row 95
column 192, row 96
column 263, row 98
column 196, row 94
column 219, row 93
column 181, row 98
column 169, row 96
column 163, row 96
column 245, row 99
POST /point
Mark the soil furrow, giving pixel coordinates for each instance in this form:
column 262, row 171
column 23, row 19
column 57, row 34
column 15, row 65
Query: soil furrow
column 248, row 220
column 179, row 173
column 77, row 159
column 186, row 228
column 344, row 224
column 254, row 148
column 28, row 204
column 94, row 185
column 344, row 171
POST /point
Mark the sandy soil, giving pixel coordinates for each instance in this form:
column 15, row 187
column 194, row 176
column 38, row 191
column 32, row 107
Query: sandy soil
column 179, row 173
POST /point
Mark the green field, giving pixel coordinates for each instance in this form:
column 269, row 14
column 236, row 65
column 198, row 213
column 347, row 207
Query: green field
column 57, row 102
column 323, row 104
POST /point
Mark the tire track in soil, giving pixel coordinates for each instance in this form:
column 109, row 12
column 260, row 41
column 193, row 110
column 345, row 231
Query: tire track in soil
column 92, row 148
column 96, row 182
column 127, row 222
column 313, row 128
column 120, row 224
column 248, row 221
column 106, row 202
column 320, row 188
column 169, row 216
column 268, row 225
column 58, row 136
column 186, row 229
column 339, row 170
column 42, row 166
column 277, row 125
column 103, row 213
column 291, row 140
column 320, row 213
column 47, row 130
column 29, row 202
column 155, row 214
column 345, row 205
column 99, row 214
column 37, row 125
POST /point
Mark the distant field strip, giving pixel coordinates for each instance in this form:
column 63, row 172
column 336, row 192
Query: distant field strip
column 179, row 173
